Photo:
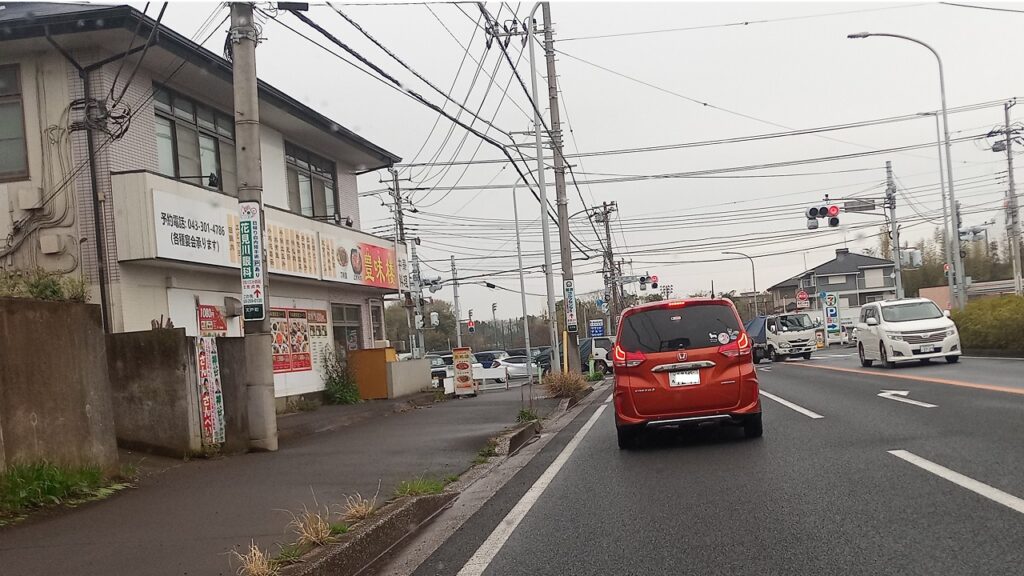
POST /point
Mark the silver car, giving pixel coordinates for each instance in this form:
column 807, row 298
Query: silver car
column 516, row 366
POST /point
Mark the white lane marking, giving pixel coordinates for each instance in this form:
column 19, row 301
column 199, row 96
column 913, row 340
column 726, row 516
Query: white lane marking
column 901, row 396
column 792, row 406
column 994, row 494
column 609, row 398
column 489, row 549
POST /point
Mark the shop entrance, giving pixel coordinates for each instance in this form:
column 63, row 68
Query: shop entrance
column 348, row 328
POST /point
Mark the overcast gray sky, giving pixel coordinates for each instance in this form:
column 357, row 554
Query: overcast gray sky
column 797, row 71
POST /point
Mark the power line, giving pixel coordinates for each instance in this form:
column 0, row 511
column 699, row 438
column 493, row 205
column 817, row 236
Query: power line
column 982, row 7
column 741, row 23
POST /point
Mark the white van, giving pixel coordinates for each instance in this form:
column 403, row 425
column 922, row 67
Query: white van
column 906, row 330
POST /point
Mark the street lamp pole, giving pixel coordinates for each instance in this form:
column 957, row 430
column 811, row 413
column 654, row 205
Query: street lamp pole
column 948, row 246
column 960, row 295
column 753, row 276
column 522, row 293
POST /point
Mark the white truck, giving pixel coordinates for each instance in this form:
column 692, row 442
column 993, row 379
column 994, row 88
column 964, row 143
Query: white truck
column 780, row 336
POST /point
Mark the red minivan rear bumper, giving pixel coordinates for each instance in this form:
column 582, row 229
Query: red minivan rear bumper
column 626, row 415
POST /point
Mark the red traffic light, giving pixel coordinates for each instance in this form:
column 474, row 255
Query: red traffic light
column 654, row 279
column 833, row 211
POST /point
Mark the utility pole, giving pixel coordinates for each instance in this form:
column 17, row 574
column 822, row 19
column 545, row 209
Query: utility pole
column 258, row 339
column 611, row 281
column 572, row 350
column 396, row 193
column 890, row 202
column 1012, row 213
column 494, row 324
column 458, row 315
column 417, row 283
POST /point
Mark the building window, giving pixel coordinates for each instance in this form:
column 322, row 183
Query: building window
column 377, row 319
column 195, row 143
column 836, row 279
column 312, row 183
column 13, row 149
column 348, row 328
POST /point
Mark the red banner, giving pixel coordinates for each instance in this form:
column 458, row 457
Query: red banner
column 211, row 321
column 379, row 266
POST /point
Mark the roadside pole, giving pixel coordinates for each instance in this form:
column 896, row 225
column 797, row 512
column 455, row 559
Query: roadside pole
column 396, row 193
column 571, row 341
column 1012, row 213
column 455, row 298
column 611, row 281
column 522, row 292
column 890, row 202
column 417, row 286
column 255, row 286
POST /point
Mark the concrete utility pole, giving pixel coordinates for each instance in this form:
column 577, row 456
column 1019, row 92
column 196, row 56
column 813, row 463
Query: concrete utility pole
column 458, row 314
column 572, row 349
column 417, row 284
column 611, row 280
column 258, row 339
column 1012, row 213
column 946, row 238
column 494, row 324
column 396, row 193
column 890, row 202
column 522, row 289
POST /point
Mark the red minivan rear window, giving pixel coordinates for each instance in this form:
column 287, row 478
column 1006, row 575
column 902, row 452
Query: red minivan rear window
column 668, row 329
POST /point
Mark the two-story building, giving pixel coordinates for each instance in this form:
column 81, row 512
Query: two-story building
column 855, row 278
column 117, row 164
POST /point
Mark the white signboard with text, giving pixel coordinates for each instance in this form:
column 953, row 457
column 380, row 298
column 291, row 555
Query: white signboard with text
column 190, row 231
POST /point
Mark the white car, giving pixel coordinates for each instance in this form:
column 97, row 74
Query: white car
column 516, row 366
column 906, row 330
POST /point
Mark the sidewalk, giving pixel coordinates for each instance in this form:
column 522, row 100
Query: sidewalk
column 183, row 519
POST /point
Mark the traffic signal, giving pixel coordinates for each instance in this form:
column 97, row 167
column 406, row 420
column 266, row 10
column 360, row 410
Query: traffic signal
column 832, row 214
column 654, row 282
column 643, row 280
column 471, row 326
column 829, row 213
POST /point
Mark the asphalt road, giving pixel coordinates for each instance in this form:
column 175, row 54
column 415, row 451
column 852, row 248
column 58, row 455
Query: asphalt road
column 815, row 495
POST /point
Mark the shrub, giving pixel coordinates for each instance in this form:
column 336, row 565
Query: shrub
column 565, row 384
column 43, row 285
column 992, row 324
column 595, row 377
column 340, row 381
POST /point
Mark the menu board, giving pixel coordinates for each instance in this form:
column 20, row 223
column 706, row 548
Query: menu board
column 320, row 344
column 290, row 331
column 291, row 251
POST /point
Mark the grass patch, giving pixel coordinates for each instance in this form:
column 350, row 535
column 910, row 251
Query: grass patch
column 490, row 449
column 42, row 285
column 595, row 377
column 564, row 384
column 451, row 478
column 420, row 486
column 255, row 562
column 291, row 554
column 312, row 526
column 526, row 415
column 339, row 528
column 356, row 508
column 28, row 487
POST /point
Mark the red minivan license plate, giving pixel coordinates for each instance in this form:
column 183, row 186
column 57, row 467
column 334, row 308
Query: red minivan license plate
column 684, row 378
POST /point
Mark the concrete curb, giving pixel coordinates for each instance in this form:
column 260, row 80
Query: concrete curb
column 372, row 538
column 575, row 398
column 520, row 437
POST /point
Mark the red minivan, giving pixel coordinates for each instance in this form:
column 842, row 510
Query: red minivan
column 683, row 362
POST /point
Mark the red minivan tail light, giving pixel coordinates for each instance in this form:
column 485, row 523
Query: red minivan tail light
column 738, row 347
column 626, row 359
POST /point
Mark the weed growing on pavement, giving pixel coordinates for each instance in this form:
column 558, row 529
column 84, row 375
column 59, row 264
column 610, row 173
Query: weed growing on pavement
column 526, row 415
column 356, row 508
column 290, row 554
column 25, row 487
column 420, row 486
column 340, row 381
column 339, row 528
column 255, row 562
column 301, row 404
column 564, row 384
column 313, row 527
column 595, row 377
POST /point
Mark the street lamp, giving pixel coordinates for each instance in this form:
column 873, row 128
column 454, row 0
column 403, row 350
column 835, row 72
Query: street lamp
column 958, row 265
column 522, row 289
column 948, row 252
column 753, row 276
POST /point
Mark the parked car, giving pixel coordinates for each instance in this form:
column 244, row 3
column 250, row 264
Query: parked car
column 541, row 356
column 488, row 357
column 516, row 366
column 438, row 370
column 683, row 362
column 906, row 330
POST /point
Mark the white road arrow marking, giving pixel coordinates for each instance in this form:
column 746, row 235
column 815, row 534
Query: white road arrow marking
column 901, row 396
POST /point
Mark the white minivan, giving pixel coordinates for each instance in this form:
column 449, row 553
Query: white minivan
column 904, row 330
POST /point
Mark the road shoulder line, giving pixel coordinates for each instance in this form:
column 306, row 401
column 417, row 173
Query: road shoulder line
column 960, row 383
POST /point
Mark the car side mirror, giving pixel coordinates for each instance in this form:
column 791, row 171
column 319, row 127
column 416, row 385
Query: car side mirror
column 947, row 313
column 871, row 321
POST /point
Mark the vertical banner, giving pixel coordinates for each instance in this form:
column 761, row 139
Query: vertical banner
column 570, row 307
column 250, row 241
column 463, row 371
column 280, row 334
column 298, row 332
column 211, row 397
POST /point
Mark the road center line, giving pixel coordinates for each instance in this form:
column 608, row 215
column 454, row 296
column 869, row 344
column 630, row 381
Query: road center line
column 489, row 549
column 792, row 406
column 960, row 383
column 994, row 494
